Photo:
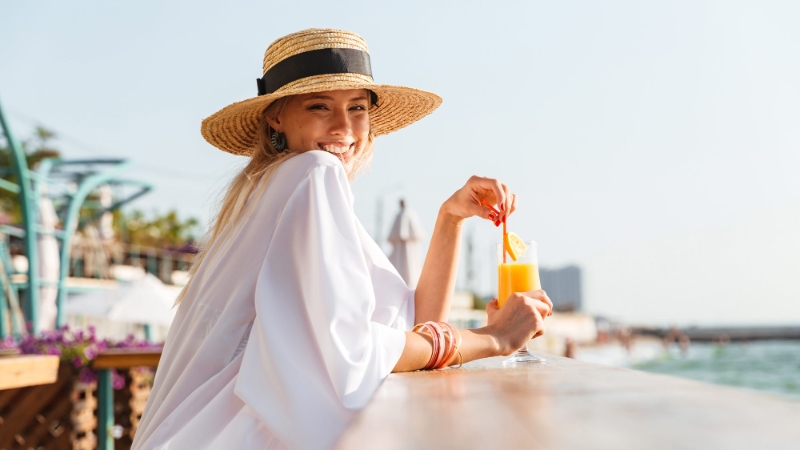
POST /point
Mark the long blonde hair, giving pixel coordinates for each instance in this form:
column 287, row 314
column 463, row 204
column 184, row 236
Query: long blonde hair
column 263, row 162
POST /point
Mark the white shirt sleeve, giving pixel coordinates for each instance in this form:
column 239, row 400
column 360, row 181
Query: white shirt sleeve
column 314, row 356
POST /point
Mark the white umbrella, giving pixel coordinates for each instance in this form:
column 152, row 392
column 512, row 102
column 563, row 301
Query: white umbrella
column 48, row 264
column 144, row 301
column 106, row 227
column 404, row 237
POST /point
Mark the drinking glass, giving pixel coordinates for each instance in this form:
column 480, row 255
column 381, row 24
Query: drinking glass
column 521, row 275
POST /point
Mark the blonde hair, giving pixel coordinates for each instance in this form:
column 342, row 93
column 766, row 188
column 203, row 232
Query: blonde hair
column 263, row 162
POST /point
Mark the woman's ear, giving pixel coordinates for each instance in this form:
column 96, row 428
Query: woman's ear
column 274, row 122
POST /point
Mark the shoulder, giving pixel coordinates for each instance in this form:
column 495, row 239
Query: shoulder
column 314, row 170
column 314, row 161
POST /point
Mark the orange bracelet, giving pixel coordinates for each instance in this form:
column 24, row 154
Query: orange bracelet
column 437, row 340
column 455, row 344
column 446, row 341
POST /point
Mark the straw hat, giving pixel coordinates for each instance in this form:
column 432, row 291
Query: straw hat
column 315, row 60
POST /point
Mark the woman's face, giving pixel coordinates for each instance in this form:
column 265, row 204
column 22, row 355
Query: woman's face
column 334, row 121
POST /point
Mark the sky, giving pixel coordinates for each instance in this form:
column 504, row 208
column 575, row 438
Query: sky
column 654, row 144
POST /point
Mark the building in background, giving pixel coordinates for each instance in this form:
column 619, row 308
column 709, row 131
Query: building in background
column 563, row 286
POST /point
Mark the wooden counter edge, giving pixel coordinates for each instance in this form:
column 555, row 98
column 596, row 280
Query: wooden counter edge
column 125, row 359
column 28, row 370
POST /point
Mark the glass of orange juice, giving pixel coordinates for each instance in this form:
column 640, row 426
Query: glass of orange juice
column 521, row 275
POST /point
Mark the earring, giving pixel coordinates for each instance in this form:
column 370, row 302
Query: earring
column 278, row 141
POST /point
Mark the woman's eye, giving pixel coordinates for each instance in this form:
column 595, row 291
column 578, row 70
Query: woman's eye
column 358, row 108
column 318, row 106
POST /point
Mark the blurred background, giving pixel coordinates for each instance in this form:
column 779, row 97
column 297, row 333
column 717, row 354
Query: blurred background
column 654, row 147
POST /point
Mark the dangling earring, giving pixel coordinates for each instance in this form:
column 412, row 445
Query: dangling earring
column 279, row 141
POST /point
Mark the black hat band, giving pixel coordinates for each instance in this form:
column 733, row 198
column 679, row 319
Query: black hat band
column 315, row 62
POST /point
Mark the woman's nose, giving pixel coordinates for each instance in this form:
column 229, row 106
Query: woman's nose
column 340, row 122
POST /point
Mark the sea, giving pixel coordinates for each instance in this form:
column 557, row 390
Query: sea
column 767, row 366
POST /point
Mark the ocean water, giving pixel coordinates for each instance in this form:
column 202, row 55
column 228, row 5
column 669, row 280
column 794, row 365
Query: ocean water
column 770, row 366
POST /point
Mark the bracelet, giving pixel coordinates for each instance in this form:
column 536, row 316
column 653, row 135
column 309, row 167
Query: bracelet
column 446, row 341
column 436, row 342
column 455, row 341
column 444, row 351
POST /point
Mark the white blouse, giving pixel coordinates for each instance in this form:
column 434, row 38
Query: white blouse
column 291, row 323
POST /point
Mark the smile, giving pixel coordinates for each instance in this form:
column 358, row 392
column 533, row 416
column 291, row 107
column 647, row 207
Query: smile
column 342, row 150
column 337, row 148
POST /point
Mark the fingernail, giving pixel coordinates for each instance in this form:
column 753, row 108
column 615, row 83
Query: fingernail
column 497, row 223
column 493, row 217
column 502, row 207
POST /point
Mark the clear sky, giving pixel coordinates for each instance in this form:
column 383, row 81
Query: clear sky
column 656, row 144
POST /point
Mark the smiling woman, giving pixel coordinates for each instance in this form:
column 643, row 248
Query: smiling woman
column 334, row 121
column 293, row 316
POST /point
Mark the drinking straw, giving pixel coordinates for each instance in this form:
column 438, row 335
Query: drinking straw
column 504, row 240
column 490, row 207
column 504, row 227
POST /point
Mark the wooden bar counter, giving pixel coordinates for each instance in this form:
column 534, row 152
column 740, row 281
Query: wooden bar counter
column 567, row 404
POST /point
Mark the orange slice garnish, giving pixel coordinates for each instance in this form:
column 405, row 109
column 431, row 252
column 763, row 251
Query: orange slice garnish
column 514, row 246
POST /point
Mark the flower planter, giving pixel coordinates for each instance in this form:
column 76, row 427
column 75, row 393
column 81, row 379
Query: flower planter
column 59, row 415
column 96, row 400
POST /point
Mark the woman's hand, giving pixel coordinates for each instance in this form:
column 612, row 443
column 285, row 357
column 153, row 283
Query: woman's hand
column 466, row 202
column 519, row 320
column 509, row 328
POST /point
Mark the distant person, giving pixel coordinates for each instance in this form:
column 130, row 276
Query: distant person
column 626, row 338
column 293, row 316
column 570, row 348
column 684, row 342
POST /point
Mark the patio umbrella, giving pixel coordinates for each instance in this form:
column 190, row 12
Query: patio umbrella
column 404, row 237
column 49, row 264
column 144, row 301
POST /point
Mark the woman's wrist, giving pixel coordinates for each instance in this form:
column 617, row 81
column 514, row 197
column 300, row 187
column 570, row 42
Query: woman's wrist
column 491, row 344
column 448, row 215
column 500, row 345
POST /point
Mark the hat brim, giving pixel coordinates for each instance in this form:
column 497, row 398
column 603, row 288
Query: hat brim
column 234, row 128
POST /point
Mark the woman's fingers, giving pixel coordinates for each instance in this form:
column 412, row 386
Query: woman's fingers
column 541, row 296
column 497, row 193
column 505, row 206
column 542, row 307
column 513, row 204
column 486, row 198
column 492, row 185
column 491, row 310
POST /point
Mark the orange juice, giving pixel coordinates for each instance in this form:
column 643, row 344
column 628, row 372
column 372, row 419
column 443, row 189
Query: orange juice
column 516, row 277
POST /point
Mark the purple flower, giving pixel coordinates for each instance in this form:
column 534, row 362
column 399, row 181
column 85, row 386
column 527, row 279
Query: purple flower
column 90, row 352
column 9, row 342
column 117, row 380
column 87, row 375
column 73, row 346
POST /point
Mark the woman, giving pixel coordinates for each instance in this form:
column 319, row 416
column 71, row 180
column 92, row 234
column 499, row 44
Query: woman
column 293, row 316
